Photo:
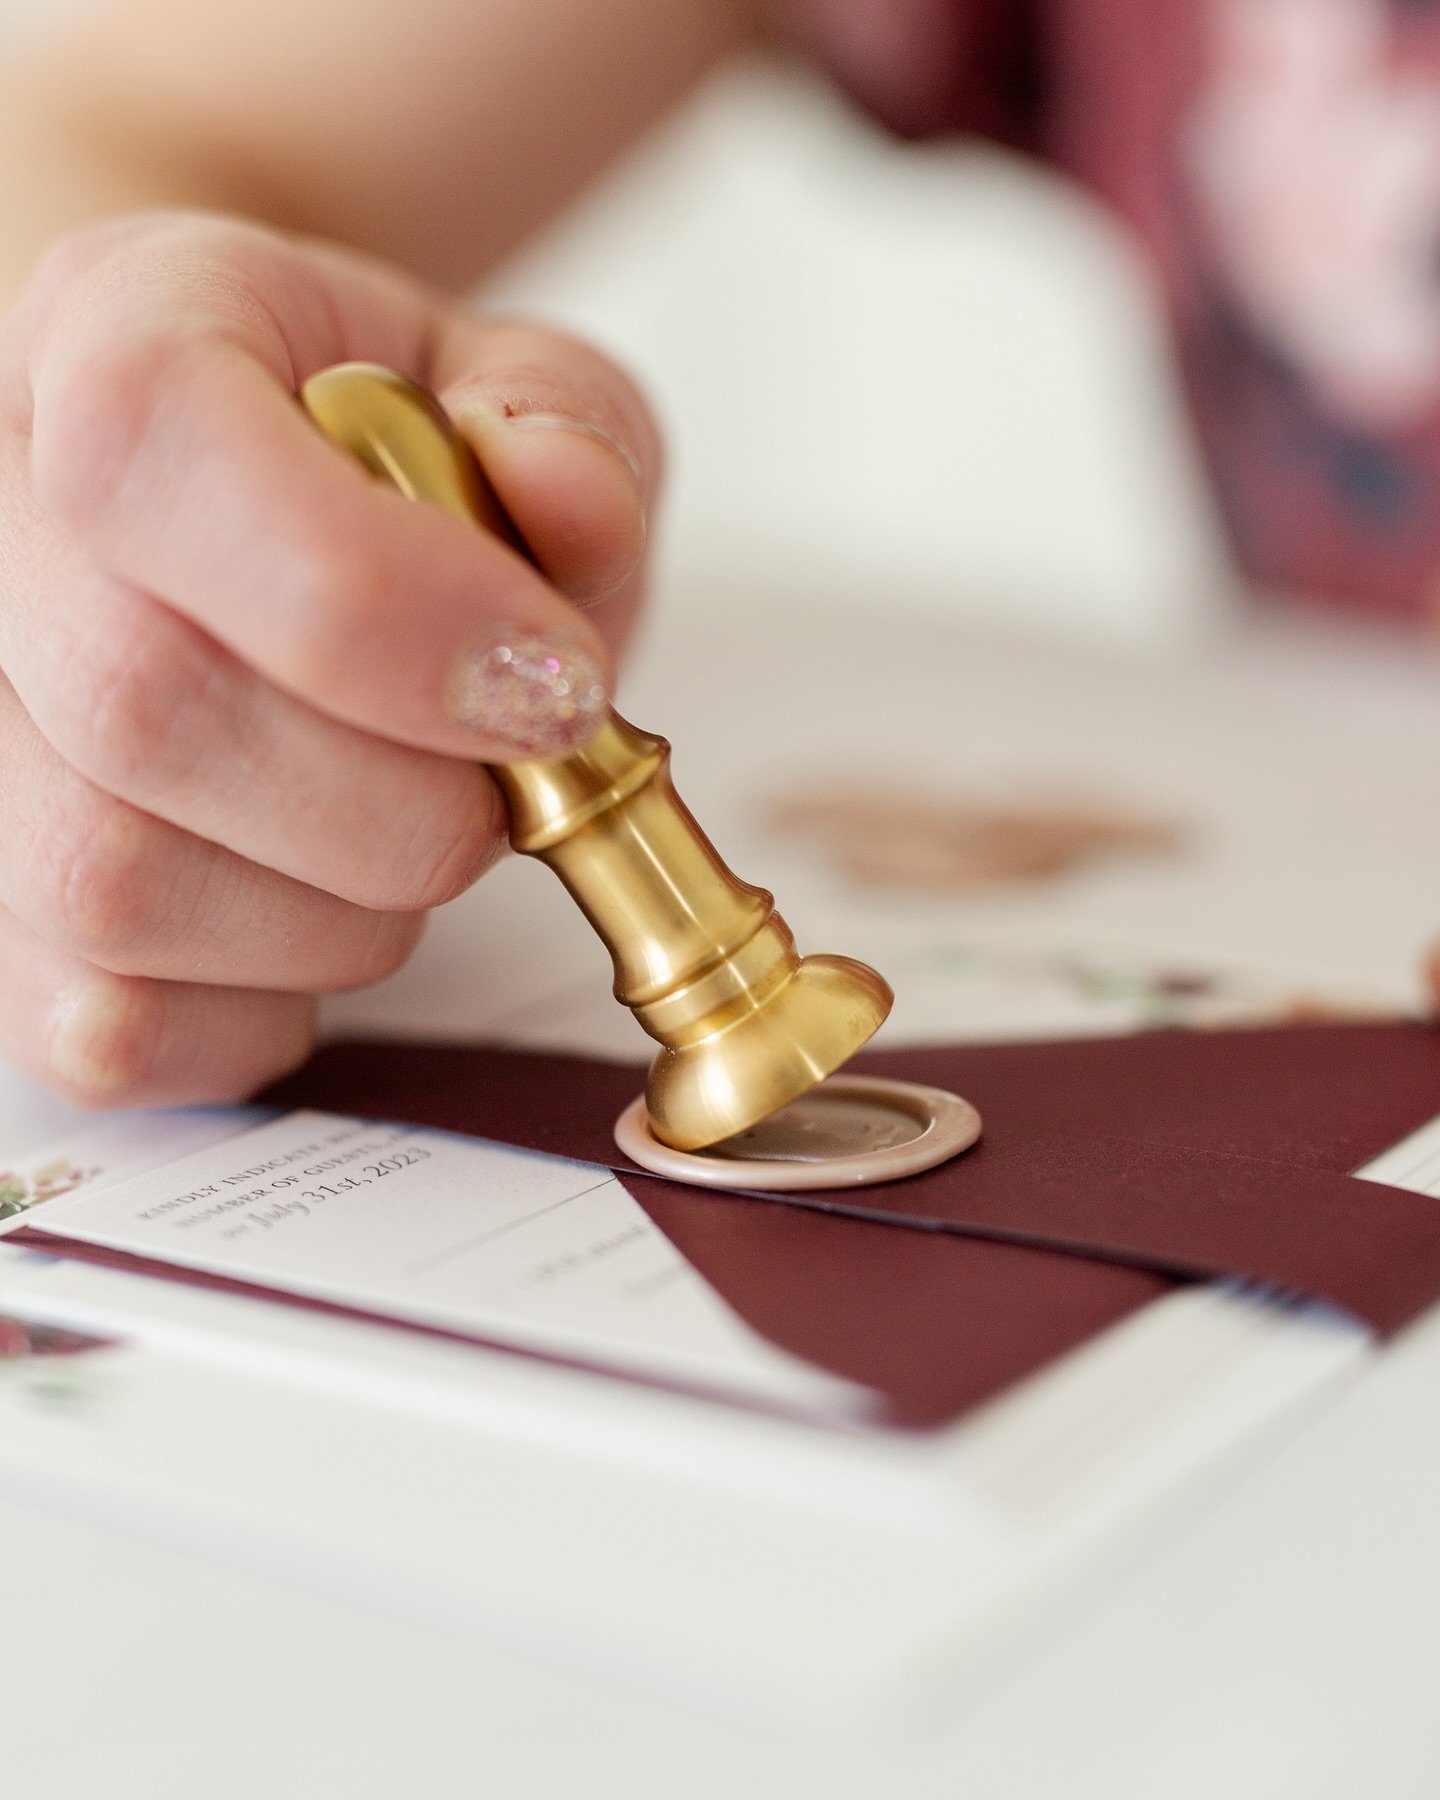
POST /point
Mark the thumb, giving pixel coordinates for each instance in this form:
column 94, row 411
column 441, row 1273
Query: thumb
column 572, row 456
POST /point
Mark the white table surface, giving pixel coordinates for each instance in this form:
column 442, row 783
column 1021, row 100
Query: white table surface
column 1280, row 1638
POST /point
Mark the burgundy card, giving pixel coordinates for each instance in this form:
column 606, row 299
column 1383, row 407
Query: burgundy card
column 1110, row 1170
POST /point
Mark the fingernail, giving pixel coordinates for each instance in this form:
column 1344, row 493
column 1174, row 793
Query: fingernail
column 538, row 694
column 552, row 421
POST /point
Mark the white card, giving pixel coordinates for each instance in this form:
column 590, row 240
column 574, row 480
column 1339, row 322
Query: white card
column 533, row 1252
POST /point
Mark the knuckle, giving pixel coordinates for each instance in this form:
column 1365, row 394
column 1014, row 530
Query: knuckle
column 71, row 257
column 384, row 947
column 94, row 881
column 335, row 594
column 450, row 848
column 102, row 1047
column 93, row 415
column 127, row 695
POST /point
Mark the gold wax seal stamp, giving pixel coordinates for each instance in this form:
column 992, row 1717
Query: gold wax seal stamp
column 746, row 1026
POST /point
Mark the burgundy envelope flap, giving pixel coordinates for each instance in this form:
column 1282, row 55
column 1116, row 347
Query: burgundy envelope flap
column 1112, row 1167
column 934, row 1323
column 1178, row 1154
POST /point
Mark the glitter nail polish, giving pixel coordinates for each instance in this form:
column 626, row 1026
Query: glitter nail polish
column 540, row 695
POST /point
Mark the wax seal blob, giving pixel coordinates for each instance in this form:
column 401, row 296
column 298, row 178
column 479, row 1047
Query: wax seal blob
column 850, row 1131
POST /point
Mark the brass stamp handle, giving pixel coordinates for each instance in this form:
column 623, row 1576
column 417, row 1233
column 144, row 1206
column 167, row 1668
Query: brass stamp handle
column 702, row 959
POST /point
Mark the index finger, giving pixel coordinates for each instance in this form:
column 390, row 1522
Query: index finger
column 168, row 439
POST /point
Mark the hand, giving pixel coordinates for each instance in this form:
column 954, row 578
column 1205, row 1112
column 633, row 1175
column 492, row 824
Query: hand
column 246, row 689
